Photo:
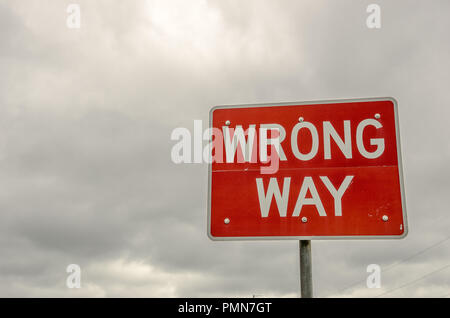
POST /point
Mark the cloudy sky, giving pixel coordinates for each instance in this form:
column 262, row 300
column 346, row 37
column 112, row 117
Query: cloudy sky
column 86, row 116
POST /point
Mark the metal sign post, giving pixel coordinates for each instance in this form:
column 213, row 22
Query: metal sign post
column 305, row 269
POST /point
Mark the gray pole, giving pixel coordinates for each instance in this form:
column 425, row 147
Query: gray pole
column 305, row 269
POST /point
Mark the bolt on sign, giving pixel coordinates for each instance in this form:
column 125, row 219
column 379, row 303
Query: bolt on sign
column 309, row 170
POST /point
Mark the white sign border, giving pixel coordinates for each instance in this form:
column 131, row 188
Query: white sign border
column 347, row 237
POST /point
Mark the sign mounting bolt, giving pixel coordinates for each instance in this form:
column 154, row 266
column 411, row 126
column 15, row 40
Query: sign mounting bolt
column 385, row 218
column 227, row 123
column 226, row 221
column 377, row 116
column 304, row 219
column 300, row 119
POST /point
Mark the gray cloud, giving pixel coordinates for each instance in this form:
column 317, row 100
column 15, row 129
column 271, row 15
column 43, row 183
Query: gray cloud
column 85, row 123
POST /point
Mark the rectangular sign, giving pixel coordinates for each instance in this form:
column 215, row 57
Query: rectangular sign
column 309, row 170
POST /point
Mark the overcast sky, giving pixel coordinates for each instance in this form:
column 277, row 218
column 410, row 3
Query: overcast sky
column 85, row 122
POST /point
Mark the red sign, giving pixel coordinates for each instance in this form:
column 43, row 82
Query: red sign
column 311, row 170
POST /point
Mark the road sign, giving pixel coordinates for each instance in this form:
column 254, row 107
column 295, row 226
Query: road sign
column 309, row 170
